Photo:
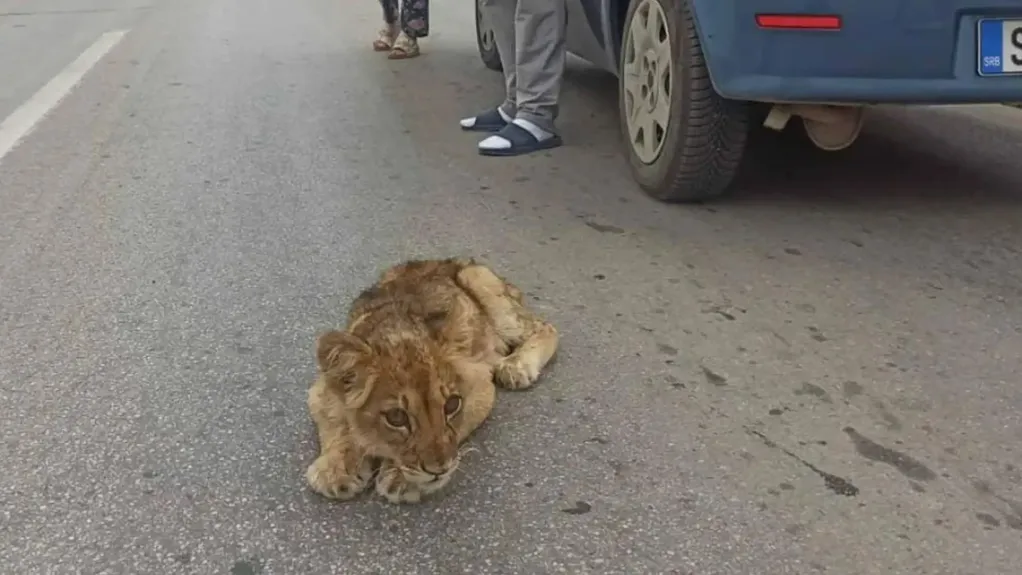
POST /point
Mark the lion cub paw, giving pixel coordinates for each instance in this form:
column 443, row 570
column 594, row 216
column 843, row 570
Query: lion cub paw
column 392, row 486
column 513, row 373
column 329, row 477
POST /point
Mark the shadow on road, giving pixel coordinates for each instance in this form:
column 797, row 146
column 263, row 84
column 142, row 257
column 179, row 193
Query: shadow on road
column 892, row 163
column 930, row 156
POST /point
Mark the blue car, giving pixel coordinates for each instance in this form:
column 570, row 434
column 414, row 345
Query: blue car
column 695, row 76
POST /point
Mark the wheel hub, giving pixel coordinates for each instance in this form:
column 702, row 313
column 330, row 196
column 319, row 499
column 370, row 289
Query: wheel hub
column 650, row 71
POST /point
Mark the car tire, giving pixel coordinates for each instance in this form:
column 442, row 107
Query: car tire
column 484, row 40
column 694, row 153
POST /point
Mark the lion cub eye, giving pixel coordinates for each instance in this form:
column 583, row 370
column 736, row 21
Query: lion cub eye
column 452, row 405
column 396, row 417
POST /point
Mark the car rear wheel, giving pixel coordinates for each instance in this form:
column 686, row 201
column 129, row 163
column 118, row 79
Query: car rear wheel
column 684, row 142
column 484, row 39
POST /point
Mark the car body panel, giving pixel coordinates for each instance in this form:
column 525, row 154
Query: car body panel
column 888, row 51
column 586, row 31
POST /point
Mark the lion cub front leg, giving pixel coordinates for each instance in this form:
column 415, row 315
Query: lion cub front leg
column 339, row 474
column 392, row 485
column 342, row 469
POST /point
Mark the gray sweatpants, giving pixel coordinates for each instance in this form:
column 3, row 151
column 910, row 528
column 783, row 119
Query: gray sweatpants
column 529, row 35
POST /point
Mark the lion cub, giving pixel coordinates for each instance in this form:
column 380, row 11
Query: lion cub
column 413, row 375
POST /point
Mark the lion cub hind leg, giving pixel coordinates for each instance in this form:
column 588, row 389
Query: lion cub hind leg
column 533, row 339
column 522, row 368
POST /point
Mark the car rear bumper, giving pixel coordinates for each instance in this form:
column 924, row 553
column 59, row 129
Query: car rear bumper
column 887, row 51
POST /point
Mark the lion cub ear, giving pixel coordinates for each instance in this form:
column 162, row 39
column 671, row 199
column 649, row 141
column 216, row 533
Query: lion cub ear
column 341, row 358
column 342, row 361
column 340, row 351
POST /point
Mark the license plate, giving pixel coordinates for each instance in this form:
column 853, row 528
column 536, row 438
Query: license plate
column 1000, row 47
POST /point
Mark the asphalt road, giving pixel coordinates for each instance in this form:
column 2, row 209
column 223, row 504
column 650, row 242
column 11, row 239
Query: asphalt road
column 818, row 375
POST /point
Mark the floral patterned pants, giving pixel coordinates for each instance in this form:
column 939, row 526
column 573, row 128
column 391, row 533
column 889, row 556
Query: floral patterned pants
column 414, row 16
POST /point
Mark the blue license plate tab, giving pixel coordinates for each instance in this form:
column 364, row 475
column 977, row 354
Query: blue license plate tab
column 1000, row 47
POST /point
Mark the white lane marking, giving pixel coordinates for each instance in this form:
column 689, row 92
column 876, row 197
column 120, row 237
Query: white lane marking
column 21, row 122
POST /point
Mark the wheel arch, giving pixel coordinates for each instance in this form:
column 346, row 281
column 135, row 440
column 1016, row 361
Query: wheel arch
column 712, row 20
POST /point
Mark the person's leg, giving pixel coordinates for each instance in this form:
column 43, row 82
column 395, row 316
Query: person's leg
column 539, row 61
column 415, row 18
column 501, row 16
column 385, row 37
column 414, row 25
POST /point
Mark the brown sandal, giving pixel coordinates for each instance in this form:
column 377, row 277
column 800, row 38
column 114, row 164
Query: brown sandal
column 384, row 41
column 404, row 47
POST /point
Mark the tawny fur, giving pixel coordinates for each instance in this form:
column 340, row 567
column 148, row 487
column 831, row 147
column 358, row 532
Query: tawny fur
column 412, row 376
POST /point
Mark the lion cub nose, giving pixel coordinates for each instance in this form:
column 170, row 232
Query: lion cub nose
column 437, row 469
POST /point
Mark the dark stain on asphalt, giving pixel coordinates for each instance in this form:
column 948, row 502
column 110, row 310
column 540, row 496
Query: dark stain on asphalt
column 667, row 349
column 1013, row 516
column 605, row 228
column 721, row 311
column 1014, row 520
column 837, row 484
column 713, row 377
column 250, row 567
column 580, row 508
column 851, row 389
column 183, row 558
column 815, row 391
column 905, row 464
column 988, row 520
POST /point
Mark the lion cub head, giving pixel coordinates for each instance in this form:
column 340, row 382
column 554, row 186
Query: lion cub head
column 400, row 400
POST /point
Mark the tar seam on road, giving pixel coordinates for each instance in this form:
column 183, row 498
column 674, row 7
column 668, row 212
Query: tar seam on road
column 838, row 485
column 21, row 122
